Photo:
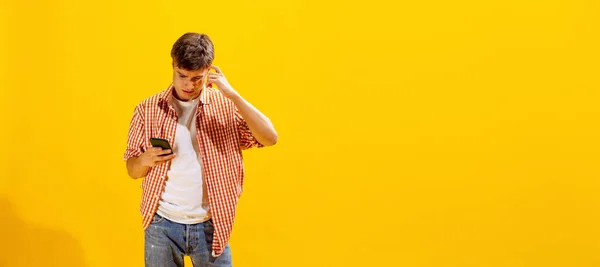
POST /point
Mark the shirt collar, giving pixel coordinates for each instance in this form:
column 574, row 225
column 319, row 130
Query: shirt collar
column 167, row 96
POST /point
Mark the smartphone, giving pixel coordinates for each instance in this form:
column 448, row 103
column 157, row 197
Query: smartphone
column 162, row 143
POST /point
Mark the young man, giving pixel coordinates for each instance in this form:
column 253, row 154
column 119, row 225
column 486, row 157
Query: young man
column 190, row 195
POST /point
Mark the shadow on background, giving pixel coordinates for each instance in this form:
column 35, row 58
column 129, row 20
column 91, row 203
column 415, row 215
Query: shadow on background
column 22, row 244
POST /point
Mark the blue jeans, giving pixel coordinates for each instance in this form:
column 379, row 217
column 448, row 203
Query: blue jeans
column 166, row 242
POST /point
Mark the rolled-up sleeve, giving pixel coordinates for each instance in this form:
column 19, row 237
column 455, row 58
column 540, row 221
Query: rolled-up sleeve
column 136, row 136
column 247, row 140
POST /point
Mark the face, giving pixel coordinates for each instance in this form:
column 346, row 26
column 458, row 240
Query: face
column 188, row 83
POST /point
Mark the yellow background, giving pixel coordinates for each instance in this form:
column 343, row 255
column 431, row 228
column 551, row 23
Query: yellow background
column 421, row 133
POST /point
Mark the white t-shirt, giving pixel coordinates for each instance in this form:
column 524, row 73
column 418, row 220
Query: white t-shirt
column 185, row 199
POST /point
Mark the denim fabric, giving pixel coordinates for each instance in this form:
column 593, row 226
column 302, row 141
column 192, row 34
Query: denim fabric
column 166, row 242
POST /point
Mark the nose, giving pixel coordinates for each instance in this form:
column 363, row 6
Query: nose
column 188, row 85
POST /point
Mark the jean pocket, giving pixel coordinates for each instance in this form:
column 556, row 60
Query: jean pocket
column 157, row 219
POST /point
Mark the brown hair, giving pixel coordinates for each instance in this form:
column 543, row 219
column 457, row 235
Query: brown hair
column 193, row 51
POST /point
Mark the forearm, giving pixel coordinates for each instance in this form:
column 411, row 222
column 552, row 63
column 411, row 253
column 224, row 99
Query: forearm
column 260, row 125
column 135, row 169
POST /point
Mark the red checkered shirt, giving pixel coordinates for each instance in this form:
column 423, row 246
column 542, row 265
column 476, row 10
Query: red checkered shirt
column 222, row 134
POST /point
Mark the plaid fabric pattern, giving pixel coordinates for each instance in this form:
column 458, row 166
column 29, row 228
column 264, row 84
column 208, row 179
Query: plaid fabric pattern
column 222, row 134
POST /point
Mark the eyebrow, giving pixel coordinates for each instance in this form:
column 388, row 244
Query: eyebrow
column 199, row 76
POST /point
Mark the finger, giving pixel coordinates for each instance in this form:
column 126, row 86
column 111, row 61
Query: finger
column 164, row 152
column 213, row 81
column 217, row 69
column 159, row 151
column 213, row 75
column 154, row 148
column 161, row 159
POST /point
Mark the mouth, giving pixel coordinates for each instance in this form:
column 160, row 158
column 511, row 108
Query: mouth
column 188, row 92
